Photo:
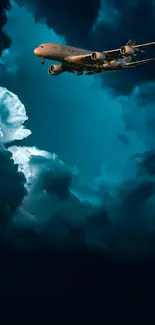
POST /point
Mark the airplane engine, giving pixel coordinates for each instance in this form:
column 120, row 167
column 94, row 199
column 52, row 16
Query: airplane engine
column 55, row 70
column 98, row 57
column 127, row 50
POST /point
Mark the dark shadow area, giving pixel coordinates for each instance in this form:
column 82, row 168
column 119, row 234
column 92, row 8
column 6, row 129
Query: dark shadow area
column 71, row 286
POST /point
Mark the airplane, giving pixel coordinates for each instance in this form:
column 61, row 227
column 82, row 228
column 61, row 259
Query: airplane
column 79, row 61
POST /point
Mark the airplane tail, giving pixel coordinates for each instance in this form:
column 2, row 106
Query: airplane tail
column 131, row 43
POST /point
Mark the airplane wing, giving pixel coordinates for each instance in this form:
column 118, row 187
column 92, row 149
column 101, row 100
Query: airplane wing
column 143, row 46
column 80, row 59
column 86, row 59
column 134, row 64
column 114, row 54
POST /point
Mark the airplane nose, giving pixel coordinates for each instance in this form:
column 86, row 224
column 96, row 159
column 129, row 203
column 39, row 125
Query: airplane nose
column 36, row 51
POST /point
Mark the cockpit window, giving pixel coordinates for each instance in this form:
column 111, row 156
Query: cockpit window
column 41, row 46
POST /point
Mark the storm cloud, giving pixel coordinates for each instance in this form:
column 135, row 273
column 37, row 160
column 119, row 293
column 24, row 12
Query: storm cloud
column 12, row 181
column 136, row 20
column 72, row 20
column 5, row 41
column 12, row 187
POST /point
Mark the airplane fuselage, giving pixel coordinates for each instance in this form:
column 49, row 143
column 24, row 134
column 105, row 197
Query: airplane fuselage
column 58, row 53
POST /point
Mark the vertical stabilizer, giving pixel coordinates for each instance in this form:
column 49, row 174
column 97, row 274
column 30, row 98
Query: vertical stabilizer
column 131, row 42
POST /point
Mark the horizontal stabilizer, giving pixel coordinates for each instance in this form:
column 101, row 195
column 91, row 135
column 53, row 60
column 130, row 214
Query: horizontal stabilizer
column 134, row 64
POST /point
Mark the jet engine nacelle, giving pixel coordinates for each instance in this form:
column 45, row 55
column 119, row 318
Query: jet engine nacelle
column 55, row 70
column 127, row 50
column 98, row 57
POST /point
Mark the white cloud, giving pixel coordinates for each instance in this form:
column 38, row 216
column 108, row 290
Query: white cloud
column 12, row 117
column 35, row 164
column 23, row 157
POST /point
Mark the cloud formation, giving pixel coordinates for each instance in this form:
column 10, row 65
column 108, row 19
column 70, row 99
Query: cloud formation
column 48, row 182
column 5, row 41
column 12, row 117
column 120, row 223
column 138, row 114
column 131, row 22
column 12, row 188
column 80, row 17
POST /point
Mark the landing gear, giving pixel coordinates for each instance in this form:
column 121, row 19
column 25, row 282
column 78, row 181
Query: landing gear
column 99, row 70
column 42, row 61
column 89, row 73
column 79, row 73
